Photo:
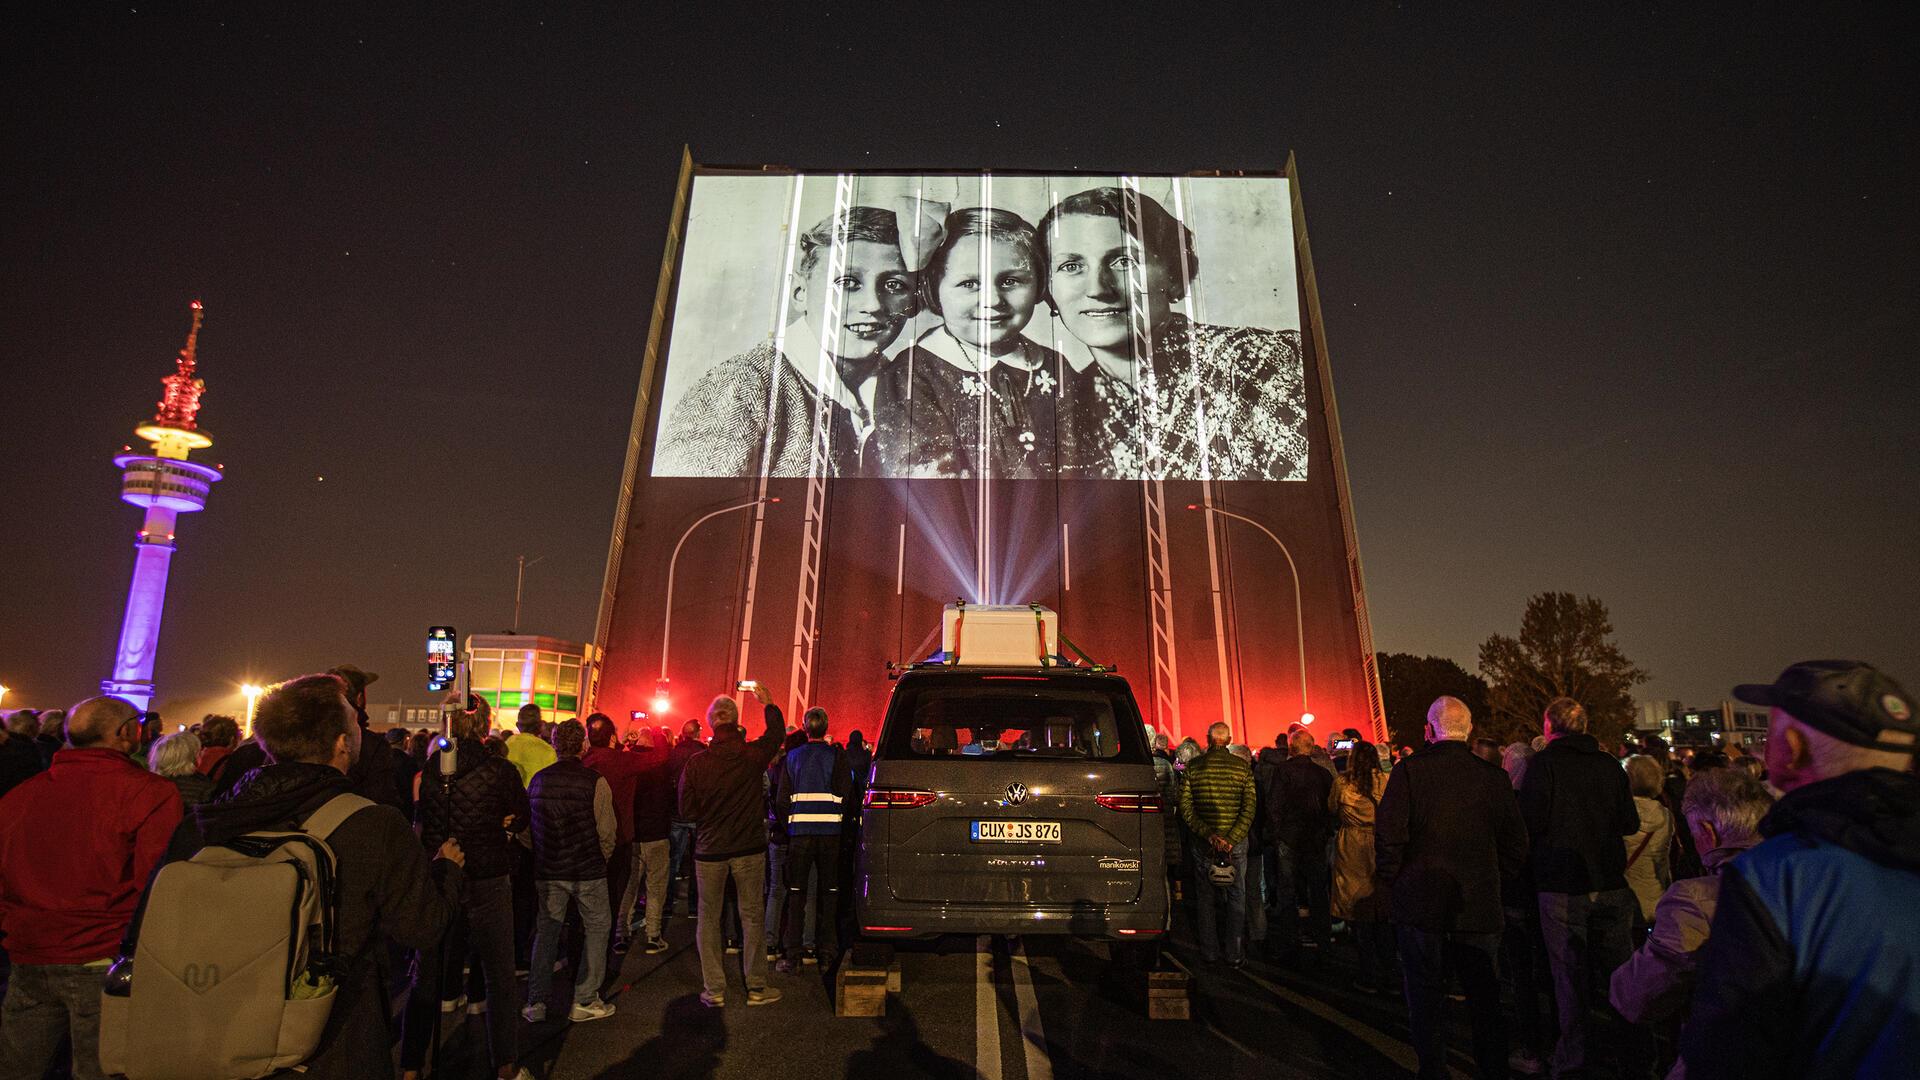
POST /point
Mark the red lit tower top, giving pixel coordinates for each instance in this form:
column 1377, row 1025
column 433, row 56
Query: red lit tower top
column 174, row 430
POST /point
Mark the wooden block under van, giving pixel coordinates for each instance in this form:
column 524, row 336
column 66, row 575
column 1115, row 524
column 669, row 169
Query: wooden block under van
column 860, row 992
column 1167, row 991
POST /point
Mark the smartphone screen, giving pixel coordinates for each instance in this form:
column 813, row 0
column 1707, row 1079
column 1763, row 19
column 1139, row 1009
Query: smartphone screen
column 441, row 667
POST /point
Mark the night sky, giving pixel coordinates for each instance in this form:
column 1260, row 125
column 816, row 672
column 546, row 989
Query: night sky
column 1619, row 306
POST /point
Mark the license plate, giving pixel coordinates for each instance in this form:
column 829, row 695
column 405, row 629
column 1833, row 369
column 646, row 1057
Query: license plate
column 1018, row 832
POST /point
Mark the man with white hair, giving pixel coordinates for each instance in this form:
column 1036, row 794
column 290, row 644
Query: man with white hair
column 1813, row 969
column 1578, row 805
column 1447, row 834
column 1218, row 804
column 1723, row 808
column 722, row 793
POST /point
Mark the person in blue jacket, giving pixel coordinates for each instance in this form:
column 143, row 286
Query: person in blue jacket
column 1813, row 966
column 810, row 800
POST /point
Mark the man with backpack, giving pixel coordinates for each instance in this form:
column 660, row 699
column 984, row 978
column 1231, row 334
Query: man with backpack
column 77, row 843
column 383, row 888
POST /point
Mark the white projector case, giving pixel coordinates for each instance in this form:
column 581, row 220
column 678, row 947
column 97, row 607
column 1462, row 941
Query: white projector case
column 999, row 635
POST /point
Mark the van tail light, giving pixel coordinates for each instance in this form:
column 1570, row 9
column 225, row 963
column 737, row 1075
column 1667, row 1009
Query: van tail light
column 896, row 798
column 895, row 929
column 1136, row 933
column 1131, row 802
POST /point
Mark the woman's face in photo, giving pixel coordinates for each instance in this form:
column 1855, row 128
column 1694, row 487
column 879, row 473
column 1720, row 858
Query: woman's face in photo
column 875, row 299
column 1092, row 258
column 987, row 292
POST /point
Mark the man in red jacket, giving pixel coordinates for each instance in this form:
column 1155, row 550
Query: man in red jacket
column 77, row 845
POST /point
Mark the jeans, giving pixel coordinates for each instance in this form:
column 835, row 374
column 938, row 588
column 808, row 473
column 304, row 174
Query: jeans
column 45, row 1003
column 1208, row 898
column 1257, row 895
column 680, row 842
column 1587, row 936
column 813, row 870
column 652, row 867
column 749, row 876
column 776, row 899
column 1425, row 957
column 488, row 918
column 596, row 918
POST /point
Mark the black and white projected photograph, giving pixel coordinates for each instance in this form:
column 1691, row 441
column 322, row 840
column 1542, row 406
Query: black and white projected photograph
column 978, row 325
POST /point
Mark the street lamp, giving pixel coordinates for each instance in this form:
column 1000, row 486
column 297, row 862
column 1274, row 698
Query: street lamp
column 252, row 694
column 666, row 631
column 1299, row 608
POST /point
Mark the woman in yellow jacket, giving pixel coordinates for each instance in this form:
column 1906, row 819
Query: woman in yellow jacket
column 1357, row 897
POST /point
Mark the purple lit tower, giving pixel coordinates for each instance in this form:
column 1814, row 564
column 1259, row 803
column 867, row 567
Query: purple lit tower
column 164, row 484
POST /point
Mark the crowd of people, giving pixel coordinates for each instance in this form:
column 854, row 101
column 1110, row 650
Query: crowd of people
column 475, row 867
column 1712, row 914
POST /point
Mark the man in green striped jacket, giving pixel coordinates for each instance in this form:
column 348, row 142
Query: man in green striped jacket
column 1218, row 804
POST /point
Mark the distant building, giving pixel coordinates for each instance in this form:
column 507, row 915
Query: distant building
column 508, row 670
column 1729, row 723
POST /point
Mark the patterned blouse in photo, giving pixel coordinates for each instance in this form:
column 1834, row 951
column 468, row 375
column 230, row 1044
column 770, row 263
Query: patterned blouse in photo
column 1243, row 387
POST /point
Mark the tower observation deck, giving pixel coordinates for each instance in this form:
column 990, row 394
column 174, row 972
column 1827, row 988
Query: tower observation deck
column 164, row 484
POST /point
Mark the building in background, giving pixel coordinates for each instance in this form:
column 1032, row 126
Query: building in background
column 1726, row 724
column 164, row 484
column 511, row 670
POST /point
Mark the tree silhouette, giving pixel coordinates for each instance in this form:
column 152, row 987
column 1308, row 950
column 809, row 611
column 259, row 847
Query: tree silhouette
column 1408, row 685
column 1564, row 649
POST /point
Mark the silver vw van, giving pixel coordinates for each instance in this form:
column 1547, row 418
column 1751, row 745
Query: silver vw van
column 1012, row 800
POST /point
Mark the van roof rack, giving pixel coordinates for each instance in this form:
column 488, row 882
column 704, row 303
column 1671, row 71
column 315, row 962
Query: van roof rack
column 939, row 661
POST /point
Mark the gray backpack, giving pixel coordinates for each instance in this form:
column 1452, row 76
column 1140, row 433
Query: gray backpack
column 233, row 974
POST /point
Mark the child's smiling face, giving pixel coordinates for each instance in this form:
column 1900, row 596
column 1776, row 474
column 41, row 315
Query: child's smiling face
column 987, row 292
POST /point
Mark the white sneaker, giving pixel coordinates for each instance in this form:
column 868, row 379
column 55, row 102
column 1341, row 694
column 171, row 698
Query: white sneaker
column 766, row 995
column 535, row 1013
column 453, row 1005
column 592, row 1010
column 476, row 1008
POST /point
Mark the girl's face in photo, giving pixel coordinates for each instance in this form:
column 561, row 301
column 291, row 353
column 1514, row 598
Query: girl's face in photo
column 875, row 299
column 988, row 292
column 1092, row 258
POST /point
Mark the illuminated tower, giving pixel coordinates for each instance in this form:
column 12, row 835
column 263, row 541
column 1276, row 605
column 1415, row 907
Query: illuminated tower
column 165, row 485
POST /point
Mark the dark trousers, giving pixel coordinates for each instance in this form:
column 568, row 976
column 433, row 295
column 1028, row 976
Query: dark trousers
column 488, row 921
column 1523, row 963
column 1587, row 936
column 805, row 856
column 1304, row 879
column 1209, row 900
column 680, row 836
column 1425, row 960
column 1374, row 942
column 523, row 903
column 619, row 869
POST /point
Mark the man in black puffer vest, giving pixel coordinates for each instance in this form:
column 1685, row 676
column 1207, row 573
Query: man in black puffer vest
column 480, row 803
column 573, row 834
column 721, row 793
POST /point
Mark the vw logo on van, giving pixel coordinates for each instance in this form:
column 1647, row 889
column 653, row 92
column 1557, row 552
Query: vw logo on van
column 1016, row 793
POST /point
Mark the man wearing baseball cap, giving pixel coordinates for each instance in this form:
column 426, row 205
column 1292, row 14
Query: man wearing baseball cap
column 1813, row 967
column 372, row 774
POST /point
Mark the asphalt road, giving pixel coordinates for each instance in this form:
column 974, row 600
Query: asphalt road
column 996, row 1008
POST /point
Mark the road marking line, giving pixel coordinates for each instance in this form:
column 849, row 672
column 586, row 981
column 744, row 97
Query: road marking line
column 1039, row 1066
column 1393, row 1049
column 986, row 1012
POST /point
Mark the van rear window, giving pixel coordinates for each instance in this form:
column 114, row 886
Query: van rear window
column 984, row 718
